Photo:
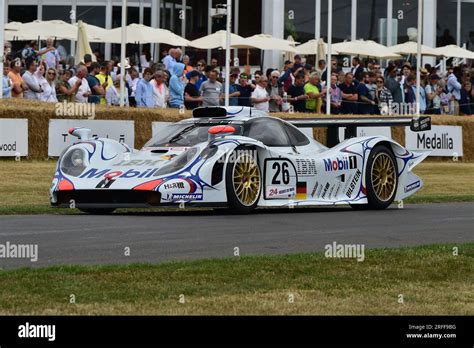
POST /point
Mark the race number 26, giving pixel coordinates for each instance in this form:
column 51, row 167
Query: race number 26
column 282, row 174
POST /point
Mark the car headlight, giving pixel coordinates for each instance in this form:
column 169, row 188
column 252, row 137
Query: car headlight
column 178, row 162
column 73, row 163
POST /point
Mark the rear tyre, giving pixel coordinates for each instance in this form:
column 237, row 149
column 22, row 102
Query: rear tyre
column 381, row 178
column 243, row 181
column 98, row 211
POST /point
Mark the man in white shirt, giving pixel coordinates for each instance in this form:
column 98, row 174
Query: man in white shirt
column 29, row 77
column 112, row 95
column 160, row 92
column 260, row 97
column 84, row 90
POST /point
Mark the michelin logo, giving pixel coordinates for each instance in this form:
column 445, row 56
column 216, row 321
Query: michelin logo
column 187, row 197
column 412, row 187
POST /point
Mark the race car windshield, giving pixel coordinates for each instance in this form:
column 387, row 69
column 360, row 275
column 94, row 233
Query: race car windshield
column 183, row 134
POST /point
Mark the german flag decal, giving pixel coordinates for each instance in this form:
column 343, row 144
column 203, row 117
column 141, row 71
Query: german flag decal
column 301, row 191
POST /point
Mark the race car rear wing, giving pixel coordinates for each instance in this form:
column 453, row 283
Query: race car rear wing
column 419, row 124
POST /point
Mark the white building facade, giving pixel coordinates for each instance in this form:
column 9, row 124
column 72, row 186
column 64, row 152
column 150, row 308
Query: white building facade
column 445, row 21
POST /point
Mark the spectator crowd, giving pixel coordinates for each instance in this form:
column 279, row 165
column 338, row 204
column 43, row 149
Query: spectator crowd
column 177, row 82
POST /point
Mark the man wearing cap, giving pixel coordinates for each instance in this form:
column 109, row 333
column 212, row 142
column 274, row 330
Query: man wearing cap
column 245, row 91
column 233, row 90
column 192, row 99
column 433, row 91
column 287, row 78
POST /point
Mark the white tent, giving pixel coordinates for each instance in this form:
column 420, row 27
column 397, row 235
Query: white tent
column 313, row 47
column 42, row 29
column 364, row 49
column 95, row 33
column 453, row 51
column 411, row 48
column 267, row 42
column 218, row 40
column 138, row 33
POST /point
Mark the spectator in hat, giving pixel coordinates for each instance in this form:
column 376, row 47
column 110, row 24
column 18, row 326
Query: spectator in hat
column 233, row 90
column 200, row 67
column 287, row 78
column 275, row 91
column 192, row 99
column 245, row 90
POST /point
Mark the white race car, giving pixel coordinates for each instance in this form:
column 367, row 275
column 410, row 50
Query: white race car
column 238, row 158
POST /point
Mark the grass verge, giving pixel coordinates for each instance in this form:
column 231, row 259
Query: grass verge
column 431, row 280
column 24, row 185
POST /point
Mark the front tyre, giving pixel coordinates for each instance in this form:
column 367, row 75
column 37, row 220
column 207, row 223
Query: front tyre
column 243, row 181
column 381, row 178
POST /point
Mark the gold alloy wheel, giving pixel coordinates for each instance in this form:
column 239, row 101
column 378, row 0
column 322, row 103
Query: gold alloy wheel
column 246, row 180
column 383, row 176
